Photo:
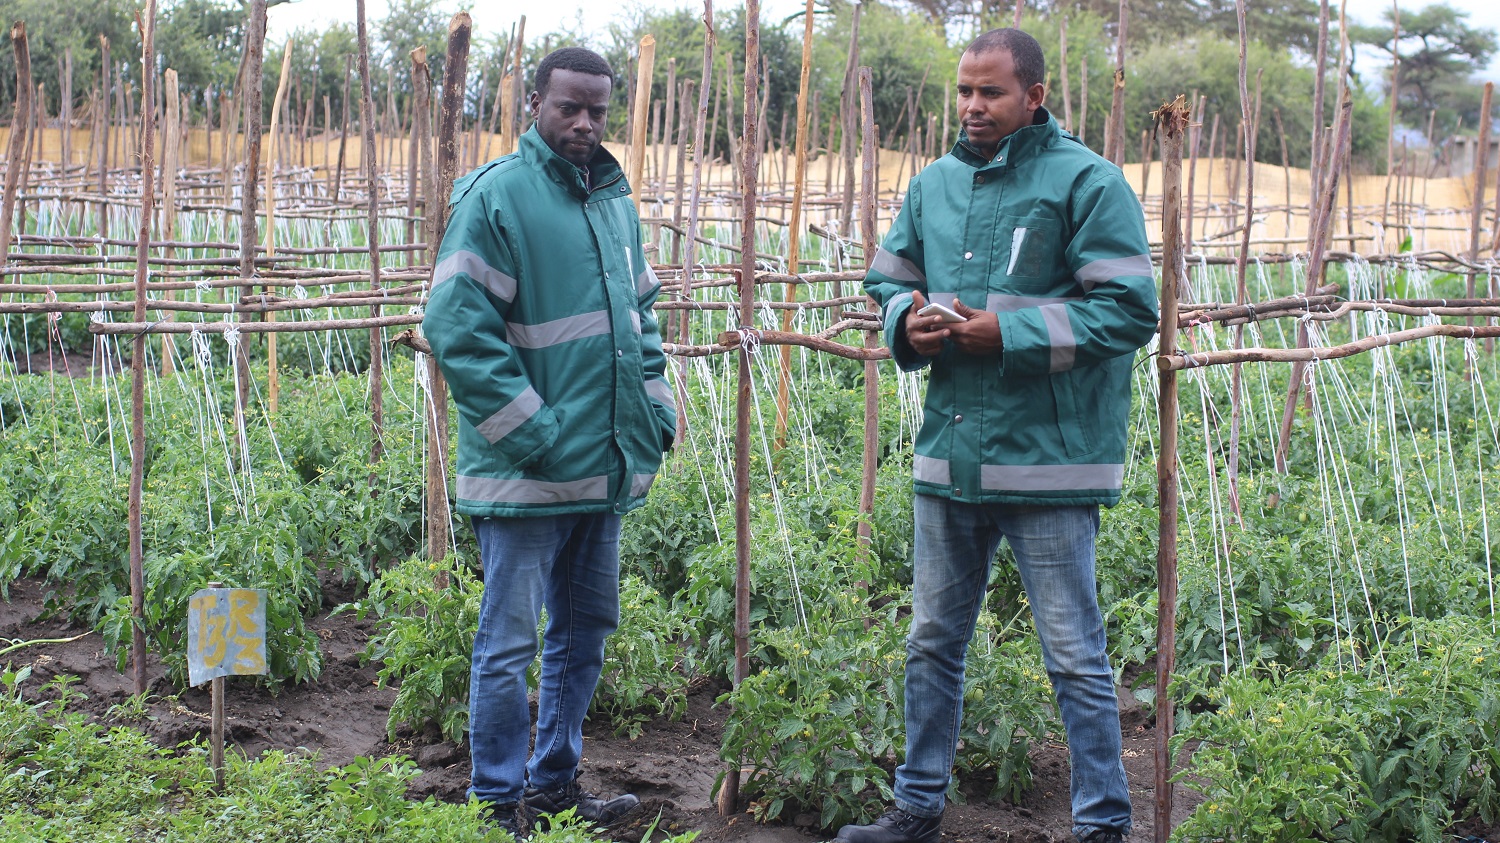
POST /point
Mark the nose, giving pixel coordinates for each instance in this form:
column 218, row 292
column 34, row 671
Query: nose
column 582, row 124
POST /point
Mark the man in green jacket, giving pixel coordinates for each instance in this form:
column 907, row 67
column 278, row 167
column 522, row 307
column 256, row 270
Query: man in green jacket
column 540, row 318
column 1039, row 247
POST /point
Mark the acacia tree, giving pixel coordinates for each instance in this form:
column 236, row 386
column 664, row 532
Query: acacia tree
column 1439, row 55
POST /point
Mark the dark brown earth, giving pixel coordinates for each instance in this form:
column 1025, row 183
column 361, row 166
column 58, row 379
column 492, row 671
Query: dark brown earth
column 671, row 766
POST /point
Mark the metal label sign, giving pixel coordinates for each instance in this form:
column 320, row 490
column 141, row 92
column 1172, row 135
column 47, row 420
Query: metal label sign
column 226, row 633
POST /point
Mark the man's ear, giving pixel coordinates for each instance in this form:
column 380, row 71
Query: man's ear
column 534, row 102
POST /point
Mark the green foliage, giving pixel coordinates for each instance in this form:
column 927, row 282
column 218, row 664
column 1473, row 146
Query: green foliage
column 1395, row 745
column 67, row 779
column 644, row 676
column 814, row 723
column 423, row 640
column 1008, row 707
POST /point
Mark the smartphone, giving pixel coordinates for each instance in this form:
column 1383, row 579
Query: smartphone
column 948, row 314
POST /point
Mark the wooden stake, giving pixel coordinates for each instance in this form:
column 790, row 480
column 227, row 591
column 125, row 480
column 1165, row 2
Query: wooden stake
column 850, row 114
column 1172, row 122
column 729, row 791
column 1476, row 213
column 273, row 386
column 20, row 123
column 1114, row 138
column 794, row 230
column 367, row 147
column 172, row 160
column 637, row 156
column 1316, row 268
column 1062, row 42
column 216, row 720
column 455, row 71
column 254, row 45
column 870, row 188
column 700, row 153
column 138, row 352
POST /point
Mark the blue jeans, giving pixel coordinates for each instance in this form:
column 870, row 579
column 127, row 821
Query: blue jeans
column 1054, row 550
column 571, row 565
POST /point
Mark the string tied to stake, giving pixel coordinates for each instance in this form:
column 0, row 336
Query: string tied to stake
column 749, row 339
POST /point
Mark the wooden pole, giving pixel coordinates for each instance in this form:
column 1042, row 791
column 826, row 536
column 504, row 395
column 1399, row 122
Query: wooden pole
column 1062, row 42
column 641, row 117
column 20, row 127
column 1172, row 122
column 729, row 791
column 1083, row 97
column 1390, row 132
column 418, row 181
column 794, row 230
column 66, row 108
column 1320, row 70
column 1248, row 119
column 216, row 721
column 850, row 114
column 1323, row 213
column 273, row 384
column 377, row 348
column 1114, row 139
column 338, row 178
column 138, row 352
column 1476, row 213
column 455, row 73
column 700, row 153
column 868, row 196
column 251, row 101
column 1188, row 200
column 171, row 162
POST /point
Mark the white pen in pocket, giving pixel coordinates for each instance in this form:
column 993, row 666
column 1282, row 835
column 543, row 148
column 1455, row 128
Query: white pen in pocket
column 1017, row 238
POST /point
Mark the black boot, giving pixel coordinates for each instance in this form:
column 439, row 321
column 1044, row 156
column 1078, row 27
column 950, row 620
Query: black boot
column 896, row 826
column 508, row 817
column 571, row 795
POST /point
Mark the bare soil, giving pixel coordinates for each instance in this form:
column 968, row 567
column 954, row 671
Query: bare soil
column 671, row 766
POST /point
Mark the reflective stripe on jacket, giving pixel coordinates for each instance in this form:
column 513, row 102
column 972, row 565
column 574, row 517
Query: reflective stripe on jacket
column 1050, row 237
column 540, row 319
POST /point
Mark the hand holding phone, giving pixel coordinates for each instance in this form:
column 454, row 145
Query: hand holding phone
column 947, row 314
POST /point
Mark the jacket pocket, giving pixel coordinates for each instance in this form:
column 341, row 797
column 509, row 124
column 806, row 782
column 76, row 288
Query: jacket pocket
column 1075, row 420
column 1028, row 252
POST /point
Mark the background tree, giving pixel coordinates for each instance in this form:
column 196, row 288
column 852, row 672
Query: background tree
column 1440, row 53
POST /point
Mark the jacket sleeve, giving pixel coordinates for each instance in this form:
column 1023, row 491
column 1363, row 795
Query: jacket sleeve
column 473, row 288
column 899, row 268
column 1110, row 259
column 658, row 388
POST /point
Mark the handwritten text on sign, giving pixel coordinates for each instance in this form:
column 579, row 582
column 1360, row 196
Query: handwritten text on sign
column 226, row 633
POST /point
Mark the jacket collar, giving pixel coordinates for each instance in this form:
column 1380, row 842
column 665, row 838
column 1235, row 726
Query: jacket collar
column 1016, row 148
column 604, row 170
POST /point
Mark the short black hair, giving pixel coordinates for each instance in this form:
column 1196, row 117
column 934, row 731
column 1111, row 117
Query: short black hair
column 1025, row 53
column 577, row 59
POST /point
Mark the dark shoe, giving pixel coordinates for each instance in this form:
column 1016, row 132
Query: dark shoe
column 1103, row 835
column 509, row 817
column 571, row 795
column 896, row 826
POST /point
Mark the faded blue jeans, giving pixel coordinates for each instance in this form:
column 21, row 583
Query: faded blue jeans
column 1054, row 550
column 571, row 565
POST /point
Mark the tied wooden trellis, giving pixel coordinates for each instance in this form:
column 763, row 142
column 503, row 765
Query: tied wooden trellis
column 410, row 189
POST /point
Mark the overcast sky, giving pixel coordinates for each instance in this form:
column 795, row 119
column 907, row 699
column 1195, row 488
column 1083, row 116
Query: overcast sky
column 550, row 16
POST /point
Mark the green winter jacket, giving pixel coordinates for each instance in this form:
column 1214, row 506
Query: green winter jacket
column 540, row 319
column 1050, row 237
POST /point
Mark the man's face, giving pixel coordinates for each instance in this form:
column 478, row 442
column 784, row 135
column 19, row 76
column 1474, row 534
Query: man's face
column 992, row 102
column 570, row 118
